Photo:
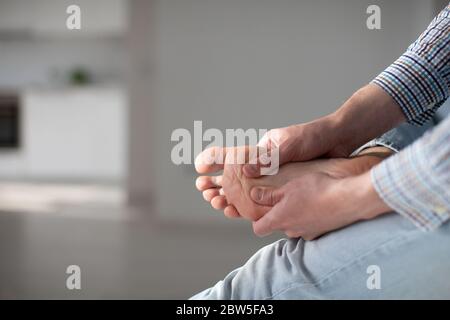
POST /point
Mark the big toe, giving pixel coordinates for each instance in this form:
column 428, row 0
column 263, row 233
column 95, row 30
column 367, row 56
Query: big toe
column 213, row 159
column 210, row 160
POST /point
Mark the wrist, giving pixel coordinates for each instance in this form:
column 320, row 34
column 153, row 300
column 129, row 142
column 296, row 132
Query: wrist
column 367, row 114
column 360, row 199
column 330, row 135
column 342, row 129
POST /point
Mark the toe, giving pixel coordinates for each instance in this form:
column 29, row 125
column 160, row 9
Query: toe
column 209, row 194
column 231, row 212
column 206, row 182
column 219, row 202
column 210, row 160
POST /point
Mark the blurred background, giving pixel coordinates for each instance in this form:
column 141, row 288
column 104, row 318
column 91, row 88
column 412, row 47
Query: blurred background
column 86, row 118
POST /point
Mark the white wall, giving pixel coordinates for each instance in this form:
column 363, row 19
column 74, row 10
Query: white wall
column 37, row 48
column 250, row 64
column 45, row 18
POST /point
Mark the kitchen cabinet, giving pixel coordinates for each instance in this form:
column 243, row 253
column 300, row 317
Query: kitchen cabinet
column 70, row 133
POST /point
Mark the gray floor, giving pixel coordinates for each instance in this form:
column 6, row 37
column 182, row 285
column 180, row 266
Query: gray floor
column 121, row 255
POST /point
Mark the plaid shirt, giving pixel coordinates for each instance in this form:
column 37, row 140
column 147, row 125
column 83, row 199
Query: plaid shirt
column 416, row 181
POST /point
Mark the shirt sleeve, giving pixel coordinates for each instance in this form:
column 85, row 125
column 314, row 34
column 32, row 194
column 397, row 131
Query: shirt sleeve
column 419, row 80
column 416, row 181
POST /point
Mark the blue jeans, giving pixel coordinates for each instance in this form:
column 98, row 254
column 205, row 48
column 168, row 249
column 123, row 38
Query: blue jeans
column 384, row 258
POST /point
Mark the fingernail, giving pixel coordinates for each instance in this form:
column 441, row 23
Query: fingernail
column 258, row 194
column 264, row 159
column 251, row 169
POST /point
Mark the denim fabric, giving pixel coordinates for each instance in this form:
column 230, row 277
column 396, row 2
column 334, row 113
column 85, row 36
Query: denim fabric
column 399, row 137
column 443, row 112
column 412, row 265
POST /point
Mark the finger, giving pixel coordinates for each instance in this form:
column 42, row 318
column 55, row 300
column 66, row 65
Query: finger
column 209, row 194
column 269, row 222
column 206, row 182
column 260, row 159
column 292, row 234
column 210, row 160
column 219, row 202
column 231, row 212
column 263, row 161
column 266, row 196
column 252, row 170
column 264, row 226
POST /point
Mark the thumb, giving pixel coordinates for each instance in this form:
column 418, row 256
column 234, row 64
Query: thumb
column 267, row 223
column 266, row 196
column 252, row 170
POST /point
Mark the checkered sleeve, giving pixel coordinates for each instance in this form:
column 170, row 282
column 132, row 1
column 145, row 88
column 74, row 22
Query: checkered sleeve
column 419, row 80
column 416, row 181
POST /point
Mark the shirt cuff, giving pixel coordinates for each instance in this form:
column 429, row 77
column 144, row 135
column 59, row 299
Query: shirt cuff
column 407, row 183
column 415, row 84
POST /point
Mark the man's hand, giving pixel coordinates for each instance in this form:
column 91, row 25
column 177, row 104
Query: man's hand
column 231, row 190
column 366, row 115
column 316, row 204
column 301, row 142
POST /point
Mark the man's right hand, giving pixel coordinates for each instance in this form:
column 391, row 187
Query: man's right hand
column 366, row 115
column 300, row 142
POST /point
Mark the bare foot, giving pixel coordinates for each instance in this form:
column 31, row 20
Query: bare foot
column 231, row 190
